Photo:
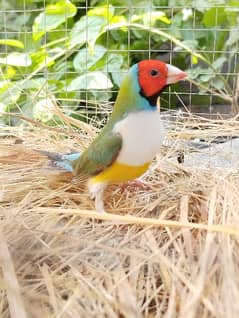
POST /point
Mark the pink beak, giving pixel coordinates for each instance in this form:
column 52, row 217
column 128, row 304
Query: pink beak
column 174, row 74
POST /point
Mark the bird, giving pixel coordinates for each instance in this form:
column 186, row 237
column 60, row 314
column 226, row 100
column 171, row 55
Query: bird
column 125, row 147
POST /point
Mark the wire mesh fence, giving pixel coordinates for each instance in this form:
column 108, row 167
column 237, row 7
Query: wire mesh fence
column 76, row 53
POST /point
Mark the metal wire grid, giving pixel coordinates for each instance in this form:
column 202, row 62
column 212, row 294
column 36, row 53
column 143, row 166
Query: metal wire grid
column 167, row 53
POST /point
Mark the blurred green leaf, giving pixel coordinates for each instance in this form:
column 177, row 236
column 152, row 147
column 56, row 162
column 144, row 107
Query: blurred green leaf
column 217, row 83
column 8, row 72
column 3, row 108
column 150, row 18
column 86, row 57
column 54, row 15
column 105, row 11
column 118, row 19
column 35, row 83
column 203, row 73
column 192, row 44
column 206, row 77
column 86, row 30
column 10, row 95
column 233, row 37
column 93, row 80
column 113, row 62
column 17, row 59
column 10, row 42
column 218, row 63
column 204, row 5
column 214, row 17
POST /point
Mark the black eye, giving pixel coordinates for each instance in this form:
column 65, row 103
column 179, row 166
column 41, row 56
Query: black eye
column 154, row 72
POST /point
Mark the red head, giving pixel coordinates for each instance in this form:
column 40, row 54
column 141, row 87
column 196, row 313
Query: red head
column 154, row 75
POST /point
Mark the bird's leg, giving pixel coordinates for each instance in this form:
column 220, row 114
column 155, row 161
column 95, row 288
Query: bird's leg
column 99, row 202
column 96, row 192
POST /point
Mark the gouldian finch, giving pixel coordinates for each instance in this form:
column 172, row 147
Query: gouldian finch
column 125, row 147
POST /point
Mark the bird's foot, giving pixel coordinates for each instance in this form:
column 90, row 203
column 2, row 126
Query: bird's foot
column 96, row 193
column 134, row 184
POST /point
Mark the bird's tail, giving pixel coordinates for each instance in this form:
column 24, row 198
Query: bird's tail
column 61, row 161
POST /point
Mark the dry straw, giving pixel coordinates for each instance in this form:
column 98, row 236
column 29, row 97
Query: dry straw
column 169, row 250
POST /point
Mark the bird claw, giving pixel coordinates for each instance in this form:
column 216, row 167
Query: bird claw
column 135, row 184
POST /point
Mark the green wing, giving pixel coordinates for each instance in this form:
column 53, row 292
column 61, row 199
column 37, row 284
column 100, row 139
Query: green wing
column 101, row 153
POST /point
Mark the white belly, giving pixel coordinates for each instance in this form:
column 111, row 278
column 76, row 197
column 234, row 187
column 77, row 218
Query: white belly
column 142, row 135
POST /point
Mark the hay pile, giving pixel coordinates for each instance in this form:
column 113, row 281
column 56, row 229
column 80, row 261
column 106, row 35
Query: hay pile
column 169, row 251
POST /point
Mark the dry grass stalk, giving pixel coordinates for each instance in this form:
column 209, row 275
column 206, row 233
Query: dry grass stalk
column 16, row 306
column 169, row 251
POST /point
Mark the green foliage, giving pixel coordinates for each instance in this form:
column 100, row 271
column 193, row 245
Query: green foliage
column 52, row 17
column 64, row 54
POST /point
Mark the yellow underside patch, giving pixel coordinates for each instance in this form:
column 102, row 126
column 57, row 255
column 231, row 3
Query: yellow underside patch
column 120, row 172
